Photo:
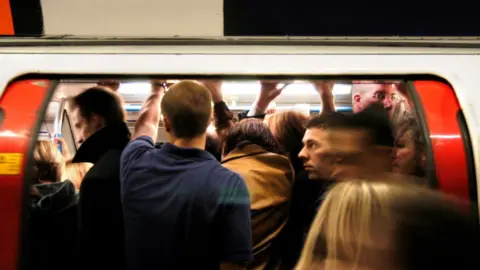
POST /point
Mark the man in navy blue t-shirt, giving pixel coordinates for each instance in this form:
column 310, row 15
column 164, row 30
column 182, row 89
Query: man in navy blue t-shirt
column 182, row 209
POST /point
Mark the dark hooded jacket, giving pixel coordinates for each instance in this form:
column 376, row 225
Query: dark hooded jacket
column 101, row 219
column 52, row 231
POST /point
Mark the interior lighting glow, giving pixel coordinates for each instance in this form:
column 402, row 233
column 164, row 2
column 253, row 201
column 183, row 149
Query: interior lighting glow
column 143, row 88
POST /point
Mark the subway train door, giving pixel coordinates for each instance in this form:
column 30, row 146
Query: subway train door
column 449, row 151
column 21, row 105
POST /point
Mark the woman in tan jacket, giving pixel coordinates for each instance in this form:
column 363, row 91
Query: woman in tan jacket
column 250, row 149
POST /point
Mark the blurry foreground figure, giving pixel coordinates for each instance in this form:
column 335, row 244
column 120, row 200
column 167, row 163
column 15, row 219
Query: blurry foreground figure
column 376, row 226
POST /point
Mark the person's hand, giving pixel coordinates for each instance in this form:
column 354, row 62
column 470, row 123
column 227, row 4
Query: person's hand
column 269, row 91
column 110, row 84
column 324, row 88
column 159, row 86
column 64, row 147
column 215, row 88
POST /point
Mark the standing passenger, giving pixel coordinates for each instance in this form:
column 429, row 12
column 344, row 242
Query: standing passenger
column 182, row 209
column 99, row 121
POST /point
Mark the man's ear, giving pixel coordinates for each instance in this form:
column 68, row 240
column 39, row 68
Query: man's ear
column 356, row 98
column 166, row 124
column 97, row 121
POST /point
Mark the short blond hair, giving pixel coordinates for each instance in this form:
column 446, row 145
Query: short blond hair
column 187, row 105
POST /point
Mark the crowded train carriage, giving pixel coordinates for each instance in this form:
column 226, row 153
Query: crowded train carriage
column 254, row 161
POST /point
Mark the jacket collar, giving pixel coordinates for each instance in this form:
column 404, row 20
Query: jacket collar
column 248, row 150
column 54, row 197
column 111, row 137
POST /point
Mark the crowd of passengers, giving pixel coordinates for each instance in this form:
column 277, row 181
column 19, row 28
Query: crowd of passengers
column 266, row 190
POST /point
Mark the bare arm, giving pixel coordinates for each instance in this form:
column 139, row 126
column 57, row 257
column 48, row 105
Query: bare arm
column 222, row 116
column 324, row 89
column 268, row 92
column 147, row 122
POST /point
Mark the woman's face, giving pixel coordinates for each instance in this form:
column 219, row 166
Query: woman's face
column 404, row 154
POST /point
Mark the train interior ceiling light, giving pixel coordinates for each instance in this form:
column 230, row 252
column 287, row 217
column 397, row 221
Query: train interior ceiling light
column 236, row 93
column 243, row 88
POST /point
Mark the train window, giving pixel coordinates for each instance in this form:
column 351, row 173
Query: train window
column 401, row 99
column 431, row 139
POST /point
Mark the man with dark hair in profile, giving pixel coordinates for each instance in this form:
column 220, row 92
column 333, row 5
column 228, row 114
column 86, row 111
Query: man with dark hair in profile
column 336, row 146
column 99, row 121
column 310, row 185
column 182, row 209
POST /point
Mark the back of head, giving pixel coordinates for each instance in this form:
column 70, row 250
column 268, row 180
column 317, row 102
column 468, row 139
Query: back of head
column 394, row 225
column 363, row 141
column 250, row 131
column 187, row 109
column 343, row 229
column 49, row 163
column 374, row 119
column 289, row 127
column 99, row 101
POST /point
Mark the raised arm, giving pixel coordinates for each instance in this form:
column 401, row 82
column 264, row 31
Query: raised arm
column 324, row 89
column 222, row 116
column 147, row 122
column 268, row 92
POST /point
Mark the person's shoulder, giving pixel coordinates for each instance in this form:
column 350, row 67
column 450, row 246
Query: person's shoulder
column 141, row 144
column 106, row 169
column 220, row 172
column 220, row 178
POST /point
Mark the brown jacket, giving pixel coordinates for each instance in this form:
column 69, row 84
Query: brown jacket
column 269, row 178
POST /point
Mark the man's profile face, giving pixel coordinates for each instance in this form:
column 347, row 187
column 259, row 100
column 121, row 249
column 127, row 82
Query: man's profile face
column 83, row 127
column 385, row 93
column 317, row 158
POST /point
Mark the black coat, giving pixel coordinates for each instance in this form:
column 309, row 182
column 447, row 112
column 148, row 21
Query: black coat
column 52, row 233
column 101, row 219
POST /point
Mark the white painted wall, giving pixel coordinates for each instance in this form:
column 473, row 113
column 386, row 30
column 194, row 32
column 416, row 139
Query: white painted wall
column 147, row 18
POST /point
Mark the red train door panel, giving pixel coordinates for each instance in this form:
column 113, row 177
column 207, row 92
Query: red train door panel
column 451, row 161
column 22, row 103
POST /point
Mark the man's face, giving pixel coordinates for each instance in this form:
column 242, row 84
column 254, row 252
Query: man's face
column 317, row 158
column 367, row 94
column 84, row 128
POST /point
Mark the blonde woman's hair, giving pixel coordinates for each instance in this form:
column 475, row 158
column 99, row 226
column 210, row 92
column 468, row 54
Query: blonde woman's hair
column 75, row 172
column 49, row 163
column 343, row 230
column 364, row 224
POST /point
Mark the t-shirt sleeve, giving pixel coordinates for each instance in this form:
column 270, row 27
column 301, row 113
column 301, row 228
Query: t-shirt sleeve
column 133, row 152
column 236, row 227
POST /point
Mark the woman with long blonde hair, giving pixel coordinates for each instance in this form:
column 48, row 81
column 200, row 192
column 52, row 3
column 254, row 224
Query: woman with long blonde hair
column 378, row 225
column 52, row 211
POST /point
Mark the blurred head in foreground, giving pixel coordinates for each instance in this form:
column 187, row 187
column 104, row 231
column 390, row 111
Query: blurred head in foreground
column 379, row 225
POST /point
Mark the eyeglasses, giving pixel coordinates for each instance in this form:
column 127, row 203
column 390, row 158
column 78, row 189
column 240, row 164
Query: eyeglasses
column 381, row 96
